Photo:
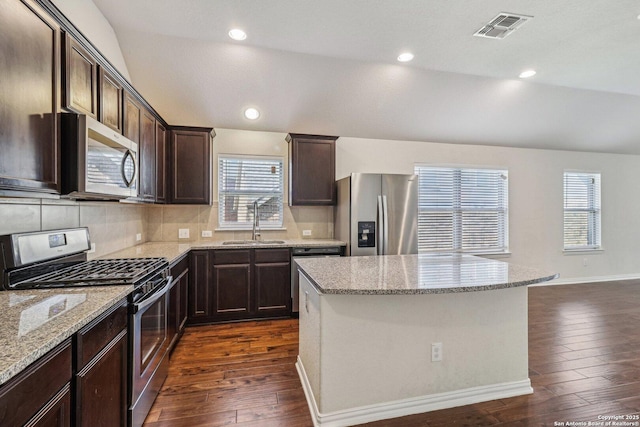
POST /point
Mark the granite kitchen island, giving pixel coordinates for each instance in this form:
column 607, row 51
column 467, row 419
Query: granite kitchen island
column 368, row 324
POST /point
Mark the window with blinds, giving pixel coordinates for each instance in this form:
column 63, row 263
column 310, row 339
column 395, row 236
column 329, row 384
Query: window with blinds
column 581, row 210
column 462, row 210
column 243, row 180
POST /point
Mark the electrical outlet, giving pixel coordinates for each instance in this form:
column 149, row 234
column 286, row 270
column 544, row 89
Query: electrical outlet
column 306, row 232
column 584, row 262
column 138, row 237
column 93, row 248
column 207, row 233
column 436, row 352
column 183, row 233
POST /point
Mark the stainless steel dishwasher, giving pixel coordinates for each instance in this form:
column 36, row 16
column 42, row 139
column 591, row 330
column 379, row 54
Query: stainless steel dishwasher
column 321, row 251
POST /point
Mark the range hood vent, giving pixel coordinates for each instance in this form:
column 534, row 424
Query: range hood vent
column 502, row 25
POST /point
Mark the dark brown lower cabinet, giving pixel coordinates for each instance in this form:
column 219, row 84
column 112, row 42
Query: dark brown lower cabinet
column 37, row 396
column 177, row 316
column 231, row 287
column 48, row 394
column 199, row 286
column 240, row 284
column 101, row 366
column 57, row 413
column 101, row 390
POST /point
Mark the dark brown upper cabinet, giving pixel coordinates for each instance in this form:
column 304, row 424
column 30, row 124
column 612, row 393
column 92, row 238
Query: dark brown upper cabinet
column 191, row 165
column 29, row 101
column 161, row 163
column 132, row 113
column 312, row 170
column 110, row 97
column 81, row 79
column 147, row 156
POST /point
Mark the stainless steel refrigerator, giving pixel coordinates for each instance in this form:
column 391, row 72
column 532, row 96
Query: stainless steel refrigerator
column 377, row 214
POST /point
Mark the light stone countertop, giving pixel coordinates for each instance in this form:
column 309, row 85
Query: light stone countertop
column 416, row 274
column 35, row 321
column 173, row 251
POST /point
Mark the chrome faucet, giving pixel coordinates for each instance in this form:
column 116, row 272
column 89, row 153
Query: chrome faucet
column 256, row 222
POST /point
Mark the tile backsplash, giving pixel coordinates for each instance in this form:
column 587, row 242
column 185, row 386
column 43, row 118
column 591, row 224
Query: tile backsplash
column 163, row 223
column 113, row 226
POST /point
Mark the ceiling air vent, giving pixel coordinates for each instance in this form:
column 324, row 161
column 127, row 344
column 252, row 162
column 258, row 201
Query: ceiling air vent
column 502, row 25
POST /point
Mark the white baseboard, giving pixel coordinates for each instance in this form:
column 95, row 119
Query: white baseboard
column 592, row 279
column 410, row 406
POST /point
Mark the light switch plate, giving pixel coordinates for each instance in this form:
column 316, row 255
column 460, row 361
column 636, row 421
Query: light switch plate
column 183, row 233
column 138, row 237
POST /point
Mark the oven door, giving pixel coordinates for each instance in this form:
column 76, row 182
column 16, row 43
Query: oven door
column 148, row 348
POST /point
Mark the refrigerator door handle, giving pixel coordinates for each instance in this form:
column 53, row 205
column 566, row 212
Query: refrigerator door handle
column 385, row 223
column 380, row 231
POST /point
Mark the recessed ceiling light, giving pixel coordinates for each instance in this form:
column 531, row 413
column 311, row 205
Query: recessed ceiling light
column 405, row 57
column 251, row 113
column 526, row 74
column 237, row 34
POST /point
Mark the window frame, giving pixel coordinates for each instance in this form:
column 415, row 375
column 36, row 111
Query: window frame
column 595, row 210
column 281, row 193
column 457, row 220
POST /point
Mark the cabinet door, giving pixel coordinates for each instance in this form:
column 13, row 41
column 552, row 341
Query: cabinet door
column 110, row 96
column 132, row 113
column 232, row 284
column 81, row 79
column 312, row 170
column 23, row 397
column 30, row 49
column 101, row 387
column 191, row 167
column 161, row 163
column 57, row 413
column 147, row 156
column 272, row 282
column 183, row 308
column 199, row 285
column 172, row 315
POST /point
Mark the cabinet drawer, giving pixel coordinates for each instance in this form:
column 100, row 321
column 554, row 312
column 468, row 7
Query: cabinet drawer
column 272, row 255
column 93, row 337
column 242, row 256
column 24, row 395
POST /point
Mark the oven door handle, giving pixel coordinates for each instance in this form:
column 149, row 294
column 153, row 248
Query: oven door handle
column 155, row 297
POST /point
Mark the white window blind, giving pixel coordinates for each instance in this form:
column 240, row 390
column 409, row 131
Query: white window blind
column 581, row 210
column 463, row 210
column 243, row 180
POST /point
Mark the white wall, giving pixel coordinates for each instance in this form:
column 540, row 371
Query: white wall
column 535, row 198
column 86, row 16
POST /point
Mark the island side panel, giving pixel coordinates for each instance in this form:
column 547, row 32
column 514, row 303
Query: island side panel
column 377, row 348
column 309, row 337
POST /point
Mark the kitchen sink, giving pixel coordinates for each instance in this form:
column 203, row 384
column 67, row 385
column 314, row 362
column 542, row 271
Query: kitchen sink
column 253, row 242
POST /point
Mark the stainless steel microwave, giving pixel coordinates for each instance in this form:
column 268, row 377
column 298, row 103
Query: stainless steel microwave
column 97, row 162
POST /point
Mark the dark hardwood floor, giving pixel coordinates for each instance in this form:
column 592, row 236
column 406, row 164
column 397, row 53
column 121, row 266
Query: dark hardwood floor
column 584, row 362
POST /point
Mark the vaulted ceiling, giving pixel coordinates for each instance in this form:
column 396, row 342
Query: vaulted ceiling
column 329, row 67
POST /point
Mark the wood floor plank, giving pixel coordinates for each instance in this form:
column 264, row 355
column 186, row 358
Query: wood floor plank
column 584, row 361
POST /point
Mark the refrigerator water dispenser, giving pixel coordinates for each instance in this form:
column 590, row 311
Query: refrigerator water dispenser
column 366, row 234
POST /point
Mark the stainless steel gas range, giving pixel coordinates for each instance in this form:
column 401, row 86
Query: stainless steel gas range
column 58, row 258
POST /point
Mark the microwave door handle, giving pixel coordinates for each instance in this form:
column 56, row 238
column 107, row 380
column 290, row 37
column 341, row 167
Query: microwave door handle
column 122, row 168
